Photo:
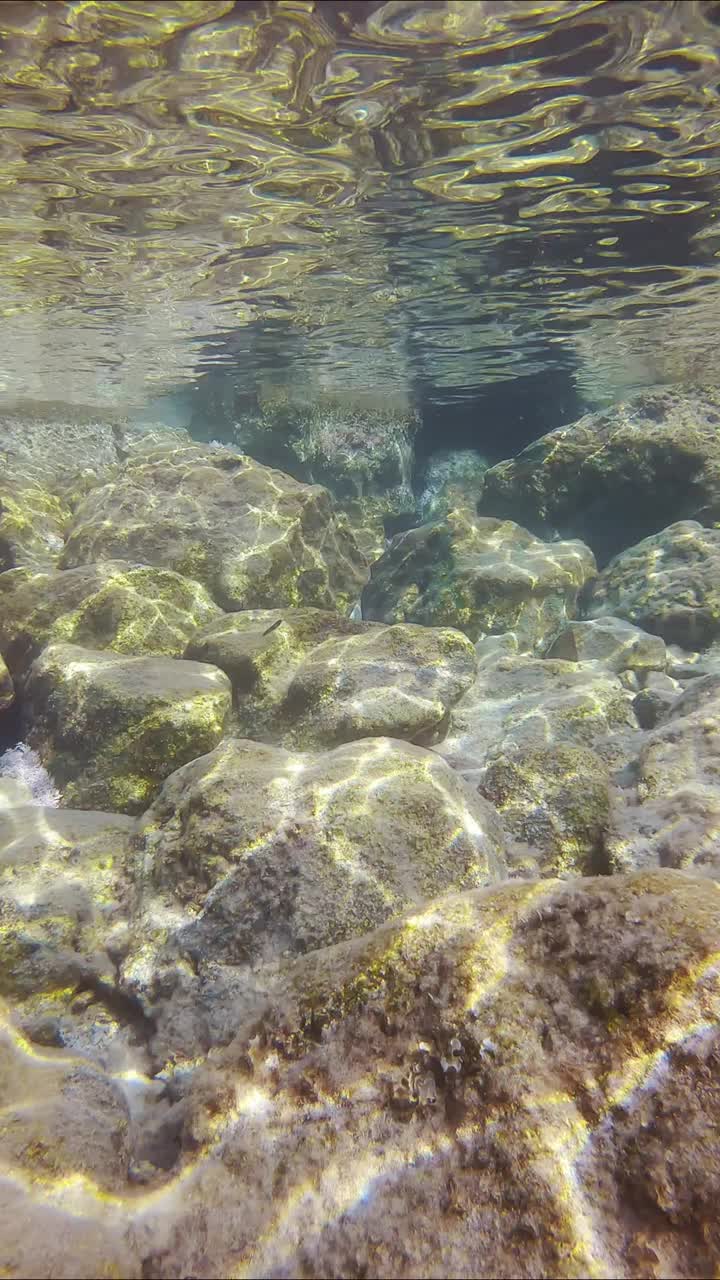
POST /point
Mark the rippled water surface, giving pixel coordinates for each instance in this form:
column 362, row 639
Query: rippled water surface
column 456, row 192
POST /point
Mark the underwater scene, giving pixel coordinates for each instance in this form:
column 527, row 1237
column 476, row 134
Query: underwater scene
column 360, row 639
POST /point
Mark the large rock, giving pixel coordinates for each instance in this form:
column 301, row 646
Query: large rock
column 670, row 816
column 614, row 643
column 668, row 584
column 254, row 537
column 618, row 475
column 64, row 895
column 33, row 522
column 452, row 479
column 306, row 678
column 520, row 1080
column 252, row 853
column 482, row 576
column 110, row 728
column 523, row 703
column 129, row 608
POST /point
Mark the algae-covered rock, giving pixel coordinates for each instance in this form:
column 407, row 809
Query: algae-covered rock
column 129, row 608
column 555, row 802
column 111, row 728
column 307, row 678
column 613, row 642
column 618, row 475
column 671, row 817
column 523, row 703
column 521, row 1080
column 253, row 536
column 668, row 584
column 7, row 692
column 33, row 522
column 482, row 576
column 253, row 852
column 451, row 479
column 64, row 894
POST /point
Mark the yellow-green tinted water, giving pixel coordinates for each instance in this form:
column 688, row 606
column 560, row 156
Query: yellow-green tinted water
column 357, row 194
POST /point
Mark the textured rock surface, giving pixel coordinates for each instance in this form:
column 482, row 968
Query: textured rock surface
column 669, row 584
column 671, row 816
column 616, row 476
column 252, row 853
column 110, row 728
column 526, row 1074
column 64, row 894
column 7, row 693
column 613, row 642
column 555, row 802
column 452, row 479
column 33, row 522
column 306, row 678
column 481, row 576
column 126, row 607
column 254, row 537
column 522, row 703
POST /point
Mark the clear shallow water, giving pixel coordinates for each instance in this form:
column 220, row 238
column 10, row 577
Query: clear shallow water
column 386, row 197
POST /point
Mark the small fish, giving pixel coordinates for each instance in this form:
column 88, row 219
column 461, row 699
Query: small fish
column 273, row 627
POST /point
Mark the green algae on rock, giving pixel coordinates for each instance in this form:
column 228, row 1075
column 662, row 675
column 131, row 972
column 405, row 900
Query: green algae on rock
column 129, row 608
column 528, row 1074
column 111, row 728
column 613, row 642
column 555, row 802
column 64, row 894
column 254, row 852
column 33, row 523
column 617, row 475
column 669, row 584
column 306, row 678
column 482, row 576
column 253, row 536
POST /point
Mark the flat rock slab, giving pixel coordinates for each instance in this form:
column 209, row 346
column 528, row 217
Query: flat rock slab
column 110, row 728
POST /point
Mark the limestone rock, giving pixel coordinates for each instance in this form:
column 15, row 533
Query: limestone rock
column 254, row 537
column 528, row 1075
column 519, row 703
column 33, row 522
column 555, row 801
column 254, row 853
column 613, row 642
column 452, row 479
column 671, row 817
column 64, row 893
column 306, row 678
column 668, row 584
column 116, row 605
column 481, row 576
column 110, row 728
column 618, row 475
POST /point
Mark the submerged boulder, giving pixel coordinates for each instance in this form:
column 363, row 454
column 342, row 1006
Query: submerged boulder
column 33, row 522
column 668, row 584
column 527, row 1075
column 111, row 728
column 129, row 608
column 253, row 853
column 671, row 816
column 482, row 576
column 307, row 678
column 612, row 642
column 64, row 894
column 618, row 475
column 253, row 536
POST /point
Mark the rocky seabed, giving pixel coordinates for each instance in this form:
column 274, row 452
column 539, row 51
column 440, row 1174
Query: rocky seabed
column 359, row 902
